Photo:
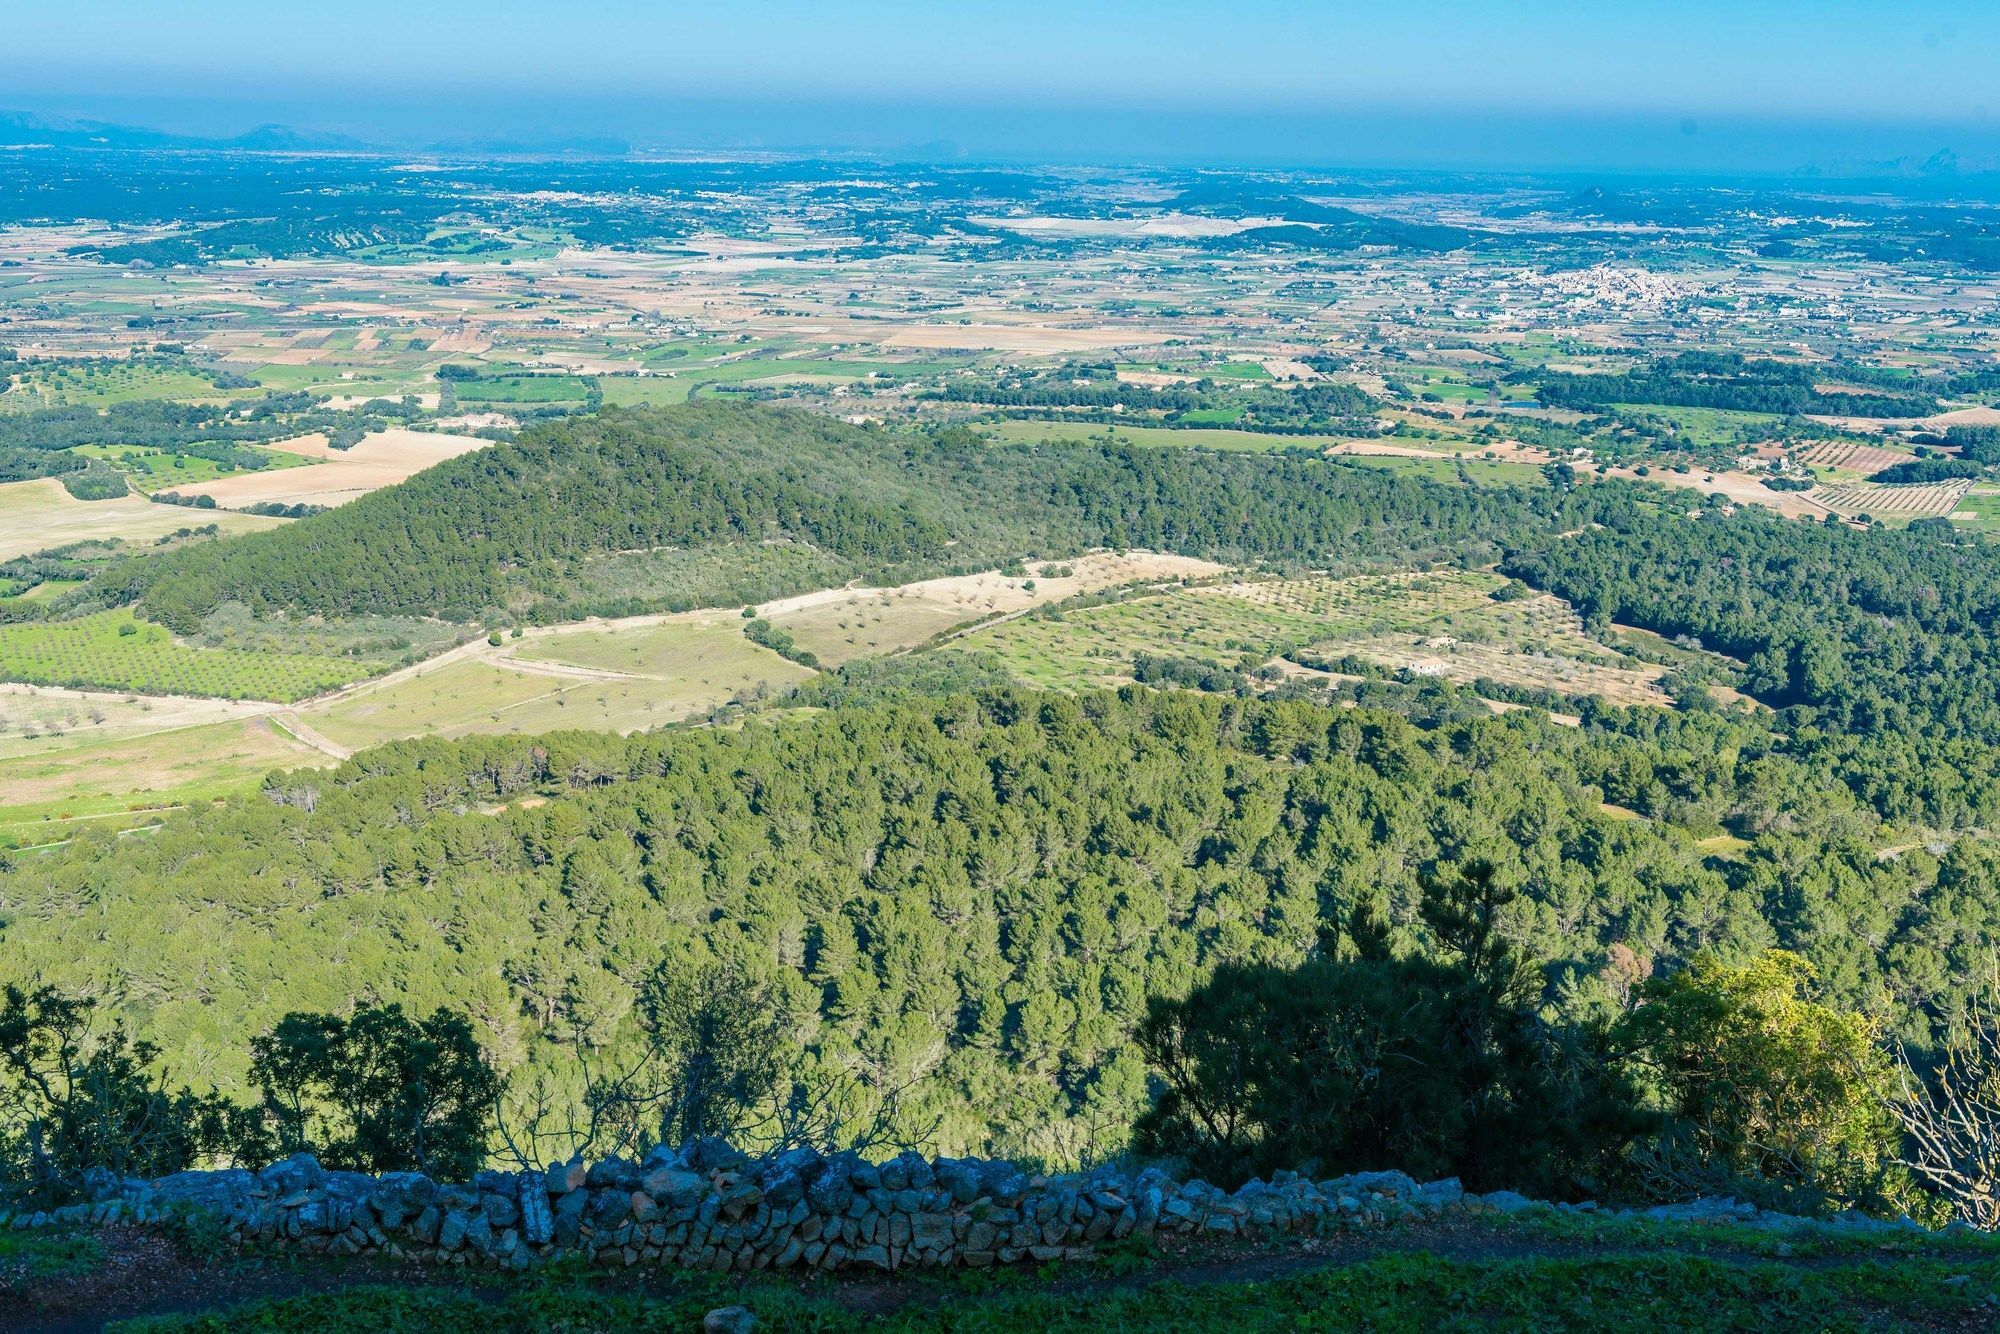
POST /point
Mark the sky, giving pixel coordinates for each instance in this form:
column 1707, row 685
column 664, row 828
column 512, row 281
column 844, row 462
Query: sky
column 1447, row 82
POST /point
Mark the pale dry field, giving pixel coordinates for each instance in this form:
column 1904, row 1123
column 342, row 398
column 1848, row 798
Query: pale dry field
column 1963, row 417
column 860, row 622
column 185, row 762
column 36, row 719
column 610, row 680
column 380, row 460
column 39, row 514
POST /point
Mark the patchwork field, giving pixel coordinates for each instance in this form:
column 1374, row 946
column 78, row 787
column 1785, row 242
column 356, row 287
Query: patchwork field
column 39, row 514
column 1853, row 456
column 338, row 476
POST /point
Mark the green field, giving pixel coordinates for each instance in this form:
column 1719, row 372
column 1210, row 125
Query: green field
column 707, row 652
column 39, row 514
column 690, row 377
column 1200, row 370
column 839, row 631
column 1447, row 624
column 1978, row 510
column 121, row 781
column 101, row 383
column 1069, row 648
column 522, row 389
column 151, row 470
column 398, row 375
column 667, row 671
column 112, row 650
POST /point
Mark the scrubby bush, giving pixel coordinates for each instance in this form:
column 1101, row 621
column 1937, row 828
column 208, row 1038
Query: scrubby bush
column 1767, row 1092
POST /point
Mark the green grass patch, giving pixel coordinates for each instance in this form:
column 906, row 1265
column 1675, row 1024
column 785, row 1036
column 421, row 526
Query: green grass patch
column 41, row 1254
column 522, row 389
column 98, row 384
column 1645, row 1294
column 122, row 781
column 150, row 469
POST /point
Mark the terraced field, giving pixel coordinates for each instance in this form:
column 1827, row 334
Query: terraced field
column 1927, row 500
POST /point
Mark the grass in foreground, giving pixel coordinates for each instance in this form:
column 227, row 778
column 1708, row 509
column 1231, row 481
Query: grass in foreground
column 1412, row 1292
column 39, row 1256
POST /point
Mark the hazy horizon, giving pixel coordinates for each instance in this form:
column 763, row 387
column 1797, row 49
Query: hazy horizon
column 1761, row 86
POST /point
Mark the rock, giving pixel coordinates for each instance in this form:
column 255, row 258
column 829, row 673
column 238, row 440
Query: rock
column 567, row 1177
column 1395, row 1185
column 729, row 1320
column 538, row 1224
column 568, row 1220
column 451, row 1235
column 710, row 1154
column 673, row 1186
column 783, row 1189
column 1506, row 1202
column 290, row 1175
column 830, row 1195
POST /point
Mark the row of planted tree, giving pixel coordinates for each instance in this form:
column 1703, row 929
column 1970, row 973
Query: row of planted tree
column 1721, row 1078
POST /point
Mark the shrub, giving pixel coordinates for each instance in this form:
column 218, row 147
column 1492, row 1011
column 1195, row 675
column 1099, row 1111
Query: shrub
column 72, row 1099
column 379, row 1092
column 1768, row 1093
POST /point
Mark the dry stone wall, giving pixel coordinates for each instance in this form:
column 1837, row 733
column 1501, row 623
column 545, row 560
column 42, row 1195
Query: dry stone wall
column 711, row 1207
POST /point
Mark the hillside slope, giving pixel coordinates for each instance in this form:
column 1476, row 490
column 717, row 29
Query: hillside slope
column 515, row 526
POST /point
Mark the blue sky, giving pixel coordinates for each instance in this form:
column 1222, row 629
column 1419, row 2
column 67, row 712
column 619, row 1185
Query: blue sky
column 852, row 67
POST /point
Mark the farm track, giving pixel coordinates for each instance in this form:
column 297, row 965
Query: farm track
column 299, row 729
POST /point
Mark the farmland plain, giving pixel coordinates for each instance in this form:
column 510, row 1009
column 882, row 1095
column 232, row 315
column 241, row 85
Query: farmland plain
column 36, row 515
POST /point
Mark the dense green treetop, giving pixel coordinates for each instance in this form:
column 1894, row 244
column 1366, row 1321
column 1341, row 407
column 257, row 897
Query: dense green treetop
column 979, row 890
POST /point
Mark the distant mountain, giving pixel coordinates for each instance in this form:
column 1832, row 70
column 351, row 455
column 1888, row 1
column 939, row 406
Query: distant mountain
column 286, row 139
column 25, row 127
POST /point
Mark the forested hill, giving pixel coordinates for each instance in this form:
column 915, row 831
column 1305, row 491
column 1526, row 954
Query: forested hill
column 978, row 892
column 509, row 527
column 1883, row 647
